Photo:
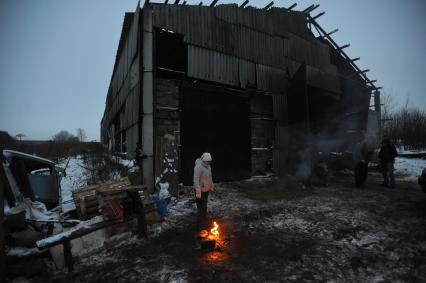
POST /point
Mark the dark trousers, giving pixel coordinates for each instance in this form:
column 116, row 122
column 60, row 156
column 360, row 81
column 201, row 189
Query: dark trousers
column 388, row 176
column 202, row 211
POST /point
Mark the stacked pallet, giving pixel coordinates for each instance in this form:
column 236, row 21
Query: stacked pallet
column 89, row 200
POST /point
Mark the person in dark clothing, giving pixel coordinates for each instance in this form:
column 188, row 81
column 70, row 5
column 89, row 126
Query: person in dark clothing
column 361, row 168
column 387, row 156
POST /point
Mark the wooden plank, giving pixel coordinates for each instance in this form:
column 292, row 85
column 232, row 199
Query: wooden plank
column 73, row 234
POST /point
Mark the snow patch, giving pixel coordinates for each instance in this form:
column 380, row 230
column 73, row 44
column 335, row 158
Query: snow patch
column 21, row 251
column 410, row 168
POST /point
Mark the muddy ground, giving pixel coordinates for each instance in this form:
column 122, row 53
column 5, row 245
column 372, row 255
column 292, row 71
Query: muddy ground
column 274, row 231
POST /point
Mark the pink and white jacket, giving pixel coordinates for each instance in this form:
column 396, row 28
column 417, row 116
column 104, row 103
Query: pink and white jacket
column 203, row 181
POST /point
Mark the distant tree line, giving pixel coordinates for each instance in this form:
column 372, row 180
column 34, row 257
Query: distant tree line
column 406, row 125
column 65, row 136
column 61, row 145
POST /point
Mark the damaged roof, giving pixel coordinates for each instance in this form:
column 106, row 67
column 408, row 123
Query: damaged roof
column 10, row 154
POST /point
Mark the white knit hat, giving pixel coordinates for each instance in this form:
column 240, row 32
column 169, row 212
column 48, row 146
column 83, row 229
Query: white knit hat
column 206, row 157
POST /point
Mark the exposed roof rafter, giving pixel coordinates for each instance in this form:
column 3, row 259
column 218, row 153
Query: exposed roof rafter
column 244, row 4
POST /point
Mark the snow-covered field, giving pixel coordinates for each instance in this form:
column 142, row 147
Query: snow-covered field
column 76, row 176
column 409, row 168
column 402, row 150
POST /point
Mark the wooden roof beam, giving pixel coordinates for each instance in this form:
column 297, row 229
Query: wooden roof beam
column 177, row 2
column 334, row 44
column 331, row 32
column 166, row 2
column 269, row 5
column 310, row 9
column 213, row 3
column 343, row 47
column 291, row 7
column 244, row 4
column 317, row 16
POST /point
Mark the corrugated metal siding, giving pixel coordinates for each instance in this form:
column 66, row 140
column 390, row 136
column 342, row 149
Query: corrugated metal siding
column 123, row 92
column 228, row 13
column 269, row 38
column 271, row 79
column 251, row 34
column 279, row 102
column 324, row 80
column 132, row 137
column 247, row 72
column 280, row 152
column 213, row 66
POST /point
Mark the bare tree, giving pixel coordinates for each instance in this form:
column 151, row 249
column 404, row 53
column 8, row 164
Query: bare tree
column 389, row 105
column 81, row 135
column 64, row 136
column 20, row 136
column 408, row 126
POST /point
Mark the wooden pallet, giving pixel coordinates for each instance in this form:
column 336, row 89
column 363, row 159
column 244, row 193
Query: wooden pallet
column 88, row 200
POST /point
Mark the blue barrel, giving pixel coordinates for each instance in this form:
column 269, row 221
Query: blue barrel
column 161, row 205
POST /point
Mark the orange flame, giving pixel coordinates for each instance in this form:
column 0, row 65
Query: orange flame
column 214, row 231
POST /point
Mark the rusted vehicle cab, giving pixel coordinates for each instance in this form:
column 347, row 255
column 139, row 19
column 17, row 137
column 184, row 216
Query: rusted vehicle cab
column 32, row 177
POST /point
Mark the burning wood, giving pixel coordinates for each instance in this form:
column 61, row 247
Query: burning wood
column 214, row 232
column 208, row 240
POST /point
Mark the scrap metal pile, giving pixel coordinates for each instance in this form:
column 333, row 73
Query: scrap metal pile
column 37, row 225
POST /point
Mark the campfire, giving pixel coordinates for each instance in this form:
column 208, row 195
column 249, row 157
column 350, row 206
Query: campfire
column 214, row 232
column 208, row 239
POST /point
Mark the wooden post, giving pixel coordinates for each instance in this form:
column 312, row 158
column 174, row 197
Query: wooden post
column 142, row 226
column 68, row 255
column 378, row 109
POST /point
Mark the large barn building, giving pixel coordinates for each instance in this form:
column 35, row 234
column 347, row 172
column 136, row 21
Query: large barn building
column 263, row 90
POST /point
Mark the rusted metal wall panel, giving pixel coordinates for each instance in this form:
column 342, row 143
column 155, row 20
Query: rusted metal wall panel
column 247, row 72
column 252, row 34
column 218, row 67
column 131, row 106
column 132, row 138
column 323, row 54
column 279, row 103
column 324, row 80
column 228, row 13
column 271, row 79
column 280, row 152
column 213, row 66
column 122, row 98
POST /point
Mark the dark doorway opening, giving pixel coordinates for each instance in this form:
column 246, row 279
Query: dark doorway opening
column 218, row 122
column 298, row 121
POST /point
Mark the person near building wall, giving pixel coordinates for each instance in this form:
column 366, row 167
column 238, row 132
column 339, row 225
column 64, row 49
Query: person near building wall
column 203, row 184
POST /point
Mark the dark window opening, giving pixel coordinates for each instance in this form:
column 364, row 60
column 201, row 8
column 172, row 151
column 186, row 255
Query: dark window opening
column 171, row 51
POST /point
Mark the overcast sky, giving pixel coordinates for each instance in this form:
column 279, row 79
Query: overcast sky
column 56, row 56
